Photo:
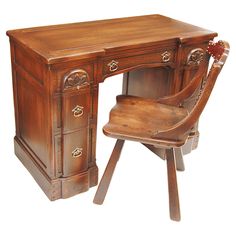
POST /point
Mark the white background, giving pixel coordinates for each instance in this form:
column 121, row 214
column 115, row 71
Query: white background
column 137, row 201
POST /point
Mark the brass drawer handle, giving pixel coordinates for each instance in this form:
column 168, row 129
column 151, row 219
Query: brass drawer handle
column 166, row 56
column 113, row 65
column 78, row 111
column 77, row 152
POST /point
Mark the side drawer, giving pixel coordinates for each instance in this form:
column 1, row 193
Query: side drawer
column 75, row 152
column 117, row 65
column 76, row 109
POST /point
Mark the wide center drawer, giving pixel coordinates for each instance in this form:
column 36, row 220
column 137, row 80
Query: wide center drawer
column 120, row 64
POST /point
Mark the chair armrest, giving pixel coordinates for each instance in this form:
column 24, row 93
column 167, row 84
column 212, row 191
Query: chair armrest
column 182, row 129
column 178, row 98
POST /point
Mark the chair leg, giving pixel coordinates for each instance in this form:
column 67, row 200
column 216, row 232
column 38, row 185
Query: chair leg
column 179, row 159
column 172, row 186
column 107, row 175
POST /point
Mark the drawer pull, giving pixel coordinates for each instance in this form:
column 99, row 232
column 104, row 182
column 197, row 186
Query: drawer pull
column 78, row 111
column 113, row 65
column 77, row 152
column 165, row 56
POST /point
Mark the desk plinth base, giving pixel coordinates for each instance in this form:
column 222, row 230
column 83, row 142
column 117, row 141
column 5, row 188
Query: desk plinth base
column 59, row 187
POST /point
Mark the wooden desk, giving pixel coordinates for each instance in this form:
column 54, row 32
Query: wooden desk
column 56, row 74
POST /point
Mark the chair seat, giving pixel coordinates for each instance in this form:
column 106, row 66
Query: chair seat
column 138, row 119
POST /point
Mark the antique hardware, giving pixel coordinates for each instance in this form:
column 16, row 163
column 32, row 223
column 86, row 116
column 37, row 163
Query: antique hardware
column 166, row 56
column 78, row 111
column 113, row 65
column 77, row 152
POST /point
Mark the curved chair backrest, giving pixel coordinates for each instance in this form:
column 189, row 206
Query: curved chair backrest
column 219, row 51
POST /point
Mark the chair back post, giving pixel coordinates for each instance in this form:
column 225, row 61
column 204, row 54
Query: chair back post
column 219, row 51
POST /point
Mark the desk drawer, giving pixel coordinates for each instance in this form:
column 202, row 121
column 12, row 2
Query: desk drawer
column 76, row 109
column 118, row 65
column 75, row 152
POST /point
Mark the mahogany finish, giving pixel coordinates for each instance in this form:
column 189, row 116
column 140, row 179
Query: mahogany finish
column 92, row 39
column 165, row 123
column 56, row 74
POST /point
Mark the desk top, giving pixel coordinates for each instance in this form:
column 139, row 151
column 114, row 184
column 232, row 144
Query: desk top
column 92, row 39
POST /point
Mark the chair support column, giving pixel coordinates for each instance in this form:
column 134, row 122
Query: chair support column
column 172, row 185
column 179, row 159
column 107, row 176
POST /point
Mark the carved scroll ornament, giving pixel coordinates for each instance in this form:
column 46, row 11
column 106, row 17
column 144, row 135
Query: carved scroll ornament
column 195, row 57
column 77, row 78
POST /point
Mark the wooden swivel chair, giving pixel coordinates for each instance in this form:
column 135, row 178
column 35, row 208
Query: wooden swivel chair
column 164, row 123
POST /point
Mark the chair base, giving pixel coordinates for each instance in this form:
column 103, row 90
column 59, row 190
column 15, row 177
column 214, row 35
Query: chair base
column 173, row 158
column 161, row 152
column 108, row 173
column 172, row 185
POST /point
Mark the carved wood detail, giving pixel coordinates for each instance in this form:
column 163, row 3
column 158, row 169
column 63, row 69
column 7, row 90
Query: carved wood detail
column 76, row 78
column 195, row 57
column 216, row 49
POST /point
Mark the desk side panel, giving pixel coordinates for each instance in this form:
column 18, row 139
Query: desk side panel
column 32, row 108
